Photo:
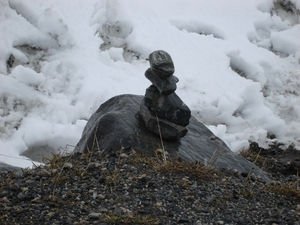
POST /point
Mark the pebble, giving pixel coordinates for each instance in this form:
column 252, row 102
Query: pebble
column 94, row 215
column 172, row 198
column 100, row 196
column 123, row 155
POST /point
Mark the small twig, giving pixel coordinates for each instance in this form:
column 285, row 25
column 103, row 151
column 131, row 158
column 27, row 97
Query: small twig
column 57, row 178
column 298, row 180
column 258, row 154
column 91, row 152
column 161, row 140
column 258, row 173
column 213, row 163
column 256, row 158
column 212, row 156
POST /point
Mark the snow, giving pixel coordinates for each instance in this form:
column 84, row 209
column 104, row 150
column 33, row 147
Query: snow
column 237, row 64
column 287, row 41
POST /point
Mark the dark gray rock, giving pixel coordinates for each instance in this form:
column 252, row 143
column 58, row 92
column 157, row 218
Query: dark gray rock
column 165, row 86
column 166, row 129
column 117, row 124
column 9, row 168
column 10, row 61
column 161, row 105
column 40, row 154
column 169, row 107
column 161, row 63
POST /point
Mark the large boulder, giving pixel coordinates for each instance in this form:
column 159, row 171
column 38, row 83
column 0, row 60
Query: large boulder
column 117, row 124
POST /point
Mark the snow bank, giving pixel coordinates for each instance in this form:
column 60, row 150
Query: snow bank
column 287, row 41
column 237, row 62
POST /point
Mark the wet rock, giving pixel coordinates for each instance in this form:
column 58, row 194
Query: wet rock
column 161, row 63
column 4, row 168
column 118, row 124
column 164, row 86
column 169, row 107
column 166, row 129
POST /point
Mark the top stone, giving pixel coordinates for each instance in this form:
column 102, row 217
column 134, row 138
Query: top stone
column 161, row 64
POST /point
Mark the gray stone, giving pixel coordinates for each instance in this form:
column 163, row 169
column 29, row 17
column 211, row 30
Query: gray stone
column 117, row 124
column 94, row 215
column 10, row 61
column 9, row 168
column 169, row 107
column 161, row 63
column 165, row 86
column 40, row 153
column 161, row 105
column 166, row 129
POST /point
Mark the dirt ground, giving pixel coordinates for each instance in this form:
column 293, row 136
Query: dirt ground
column 275, row 160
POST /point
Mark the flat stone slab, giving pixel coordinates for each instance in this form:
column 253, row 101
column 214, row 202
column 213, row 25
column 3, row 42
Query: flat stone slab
column 169, row 107
column 117, row 124
column 164, row 86
column 166, row 129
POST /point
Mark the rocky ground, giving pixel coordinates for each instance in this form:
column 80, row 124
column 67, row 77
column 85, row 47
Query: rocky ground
column 128, row 188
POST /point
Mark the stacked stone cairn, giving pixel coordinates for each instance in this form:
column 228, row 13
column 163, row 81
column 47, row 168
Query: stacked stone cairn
column 163, row 112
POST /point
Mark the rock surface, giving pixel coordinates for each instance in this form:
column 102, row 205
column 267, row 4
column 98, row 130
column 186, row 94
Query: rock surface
column 117, row 124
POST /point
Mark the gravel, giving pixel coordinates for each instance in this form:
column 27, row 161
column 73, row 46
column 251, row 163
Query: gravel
column 127, row 188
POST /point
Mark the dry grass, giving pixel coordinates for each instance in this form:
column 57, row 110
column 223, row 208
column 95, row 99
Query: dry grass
column 113, row 177
column 56, row 161
column 287, row 189
column 254, row 157
column 131, row 219
column 139, row 158
column 161, row 141
column 195, row 169
column 60, row 161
